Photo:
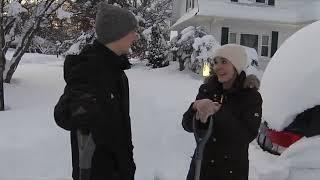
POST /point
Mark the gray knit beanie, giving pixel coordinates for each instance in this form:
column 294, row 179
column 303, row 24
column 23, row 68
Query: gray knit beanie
column 113, row 23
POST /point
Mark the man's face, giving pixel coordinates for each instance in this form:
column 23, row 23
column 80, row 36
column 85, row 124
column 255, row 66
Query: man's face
column 125, row 43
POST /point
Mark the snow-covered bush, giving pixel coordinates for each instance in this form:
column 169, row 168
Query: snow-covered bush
column 253, row 65
column 41, row 45
column 203, row 51
column 193, row 47
column 157, row 47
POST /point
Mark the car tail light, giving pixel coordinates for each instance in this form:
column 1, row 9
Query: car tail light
column 284, row 139
column 275, row 142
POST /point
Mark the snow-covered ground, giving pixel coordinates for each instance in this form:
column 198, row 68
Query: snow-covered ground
column 32, row 147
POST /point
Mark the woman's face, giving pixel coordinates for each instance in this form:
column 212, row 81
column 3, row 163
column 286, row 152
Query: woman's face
column 224, row 70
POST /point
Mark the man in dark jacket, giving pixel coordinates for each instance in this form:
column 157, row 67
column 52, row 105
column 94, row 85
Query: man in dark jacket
column 99, row 99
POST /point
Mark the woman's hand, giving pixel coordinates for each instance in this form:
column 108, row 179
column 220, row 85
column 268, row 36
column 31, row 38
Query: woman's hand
column 205, row 108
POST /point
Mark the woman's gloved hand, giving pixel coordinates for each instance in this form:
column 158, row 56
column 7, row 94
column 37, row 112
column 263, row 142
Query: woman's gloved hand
column 205, row 108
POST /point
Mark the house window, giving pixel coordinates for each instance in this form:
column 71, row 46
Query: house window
column 233, row 38
column 265, row 46
column 261, row 1
column 250, row 40
column 189, row 5
column 268, row 2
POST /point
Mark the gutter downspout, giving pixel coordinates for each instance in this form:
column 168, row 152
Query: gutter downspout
column 198, row 7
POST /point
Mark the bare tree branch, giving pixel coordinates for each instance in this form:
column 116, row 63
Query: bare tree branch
column 47, row 9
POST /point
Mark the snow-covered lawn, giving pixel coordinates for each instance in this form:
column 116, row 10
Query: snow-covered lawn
column 32, row 147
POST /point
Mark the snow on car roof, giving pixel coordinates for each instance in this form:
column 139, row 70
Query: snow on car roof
column 291, row 82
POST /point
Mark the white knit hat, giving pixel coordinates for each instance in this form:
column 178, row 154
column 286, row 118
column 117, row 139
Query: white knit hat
column 235, row 53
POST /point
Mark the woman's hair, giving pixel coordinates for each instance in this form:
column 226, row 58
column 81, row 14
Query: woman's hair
column 213, row 73
column 239, row 81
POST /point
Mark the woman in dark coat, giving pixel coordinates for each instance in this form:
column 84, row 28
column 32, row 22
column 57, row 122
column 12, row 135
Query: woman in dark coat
column 235, row 107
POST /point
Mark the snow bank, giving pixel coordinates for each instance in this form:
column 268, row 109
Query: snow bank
column 300, row 161
column 303, row 154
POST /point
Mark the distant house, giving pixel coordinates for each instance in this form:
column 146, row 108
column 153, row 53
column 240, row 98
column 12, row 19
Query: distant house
column 261, row 24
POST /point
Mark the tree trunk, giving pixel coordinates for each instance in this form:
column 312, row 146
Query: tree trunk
column 181, row 64
column 20, row 50
column 17, row 56
column 2, row 64
column 2, row 56
column 10, row 72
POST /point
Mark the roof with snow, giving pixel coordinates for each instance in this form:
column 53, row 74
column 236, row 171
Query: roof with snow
column 294, row 12
column 287, row 12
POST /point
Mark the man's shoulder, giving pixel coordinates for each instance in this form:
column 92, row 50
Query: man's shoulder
column 79, row 66
column 87, row 56
column 76, row 61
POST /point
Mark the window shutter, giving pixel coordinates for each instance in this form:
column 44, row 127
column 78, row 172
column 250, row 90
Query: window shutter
column 224, row 35
column 187, row 5
column 274, row 42
column 271, row 2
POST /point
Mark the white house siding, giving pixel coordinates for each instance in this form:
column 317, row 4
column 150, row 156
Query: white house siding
column 291, row 3
column 176, row 13
column 286, row 31
column 284, row 11
column 187, row 18
column 286, row 17
column 179, row 9
column 251, row 27
column 227, row 9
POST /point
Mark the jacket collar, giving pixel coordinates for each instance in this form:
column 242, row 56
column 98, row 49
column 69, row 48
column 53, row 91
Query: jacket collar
column 110, row 58
column 237, row 86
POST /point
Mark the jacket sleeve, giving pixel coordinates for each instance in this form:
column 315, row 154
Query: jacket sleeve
column 244, row 125
column 90, row 110
column 187, row 119
column 82, row 89
column 188, row 115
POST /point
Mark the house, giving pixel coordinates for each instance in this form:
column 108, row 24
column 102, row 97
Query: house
column 260, row 24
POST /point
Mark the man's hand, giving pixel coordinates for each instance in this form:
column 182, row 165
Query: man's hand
column 205, row 108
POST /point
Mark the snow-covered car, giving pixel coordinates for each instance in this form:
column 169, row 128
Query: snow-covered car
column 290, row 88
